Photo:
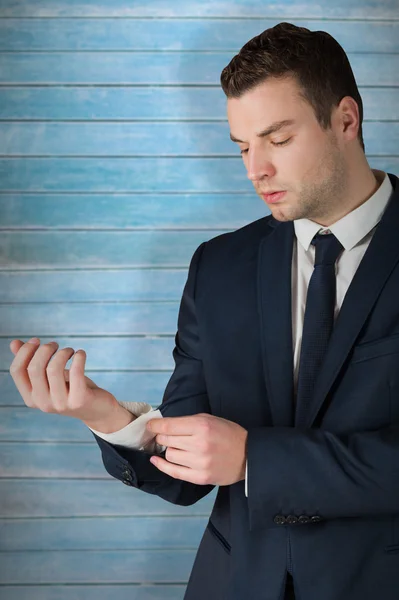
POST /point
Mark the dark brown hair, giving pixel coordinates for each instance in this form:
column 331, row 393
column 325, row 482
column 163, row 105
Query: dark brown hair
column 317, row 61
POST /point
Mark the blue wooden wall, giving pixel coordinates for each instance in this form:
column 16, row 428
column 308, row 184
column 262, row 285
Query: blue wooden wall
column 115, row 164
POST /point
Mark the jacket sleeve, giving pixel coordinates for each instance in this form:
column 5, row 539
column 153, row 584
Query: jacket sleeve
column 185, row 394
column 315, row 472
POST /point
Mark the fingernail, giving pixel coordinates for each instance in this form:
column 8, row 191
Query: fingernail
column 34, row 340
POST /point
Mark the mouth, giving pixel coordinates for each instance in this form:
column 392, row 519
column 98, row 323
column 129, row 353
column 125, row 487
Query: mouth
column 272, row 197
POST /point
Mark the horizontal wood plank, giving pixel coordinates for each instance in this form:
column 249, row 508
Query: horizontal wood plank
column 136, row 318
column 46, row 249
column 146, row 174
column 149, row 103
column 367, row 9
column 180, row 35
column 138, row 68
column 143, row 139
column 52, row 498
column 125, row 285
column 104, row 533
column 126, row 566
column 94, row 592
column 127, row 212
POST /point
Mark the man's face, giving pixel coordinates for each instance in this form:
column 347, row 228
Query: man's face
column 311, row 167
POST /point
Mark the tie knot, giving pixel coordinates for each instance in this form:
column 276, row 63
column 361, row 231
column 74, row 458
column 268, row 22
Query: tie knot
column 328, row 248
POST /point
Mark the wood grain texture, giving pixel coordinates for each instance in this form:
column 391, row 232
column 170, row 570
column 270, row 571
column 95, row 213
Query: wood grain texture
column 51, row 498
column 161, row 68
column 94, row 592
column 109, row 533
column 348, row 9
column 180, row 35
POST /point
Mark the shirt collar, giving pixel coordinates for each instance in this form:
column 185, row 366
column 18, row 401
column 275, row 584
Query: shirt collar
column 354, row 226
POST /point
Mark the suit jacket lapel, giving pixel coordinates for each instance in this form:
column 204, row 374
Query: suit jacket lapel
column 274, row 302
column 376, row 266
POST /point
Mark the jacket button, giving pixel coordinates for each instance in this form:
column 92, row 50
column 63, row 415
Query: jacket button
column 304, row 519
column 315, row 519
column 127, row 475
column 279, row 519
column 291, row 519
column 126, row 482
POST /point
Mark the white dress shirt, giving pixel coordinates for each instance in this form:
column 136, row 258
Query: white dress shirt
column 354, row 231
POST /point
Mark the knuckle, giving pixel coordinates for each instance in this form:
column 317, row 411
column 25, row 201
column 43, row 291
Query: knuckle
column 205, row 424
column 14, row 369
column 203, row 479
column 34, row 368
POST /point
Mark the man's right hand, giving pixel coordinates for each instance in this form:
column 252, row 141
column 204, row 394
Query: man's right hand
column 51, row 388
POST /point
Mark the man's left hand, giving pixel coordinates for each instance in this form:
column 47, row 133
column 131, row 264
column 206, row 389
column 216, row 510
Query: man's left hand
column 201, row 449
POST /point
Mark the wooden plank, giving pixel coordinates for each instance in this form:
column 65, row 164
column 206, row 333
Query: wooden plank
column 130, row 385
column 88, row 566
column 126, row 285
column 101, row 319
column 123, row 352
column 285, row 9
column 127, row 68
column 115, row 249
column 180, row 35
column 94, row 592
column 53, row 459
column 149, row 103
column 101, row 533
column 146, row 174
column 52, row 498
column 127, row 212
column 143, row 139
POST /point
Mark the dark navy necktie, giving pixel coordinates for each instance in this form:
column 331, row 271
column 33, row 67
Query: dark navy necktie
column 318, row 320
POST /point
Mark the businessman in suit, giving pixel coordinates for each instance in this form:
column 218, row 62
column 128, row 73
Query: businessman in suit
column 285, row 391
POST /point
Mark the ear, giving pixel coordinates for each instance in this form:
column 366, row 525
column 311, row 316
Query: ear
column 349, row 118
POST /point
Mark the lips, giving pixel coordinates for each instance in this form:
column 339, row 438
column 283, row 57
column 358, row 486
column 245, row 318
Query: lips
column 273, row 196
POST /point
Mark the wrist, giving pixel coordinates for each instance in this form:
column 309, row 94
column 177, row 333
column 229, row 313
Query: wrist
column 119, row 418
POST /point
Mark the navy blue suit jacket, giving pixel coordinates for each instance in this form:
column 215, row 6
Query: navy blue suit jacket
column 337, row 478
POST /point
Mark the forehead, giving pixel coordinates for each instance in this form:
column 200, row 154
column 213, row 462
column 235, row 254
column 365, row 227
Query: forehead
column 271, row 100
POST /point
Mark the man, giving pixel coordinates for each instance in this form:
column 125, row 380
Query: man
column 285, row 391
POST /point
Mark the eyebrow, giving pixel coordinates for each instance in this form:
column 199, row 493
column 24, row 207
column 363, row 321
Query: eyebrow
column 273, row 127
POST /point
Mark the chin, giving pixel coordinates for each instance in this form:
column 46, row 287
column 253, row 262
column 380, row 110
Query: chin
column 280, row 214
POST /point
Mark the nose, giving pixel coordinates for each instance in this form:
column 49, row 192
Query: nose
column 259, row 167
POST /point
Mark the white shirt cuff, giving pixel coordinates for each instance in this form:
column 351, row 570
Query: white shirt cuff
column 135, row 435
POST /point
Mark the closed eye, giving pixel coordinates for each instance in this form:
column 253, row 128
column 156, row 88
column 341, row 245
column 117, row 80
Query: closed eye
column 274, row 144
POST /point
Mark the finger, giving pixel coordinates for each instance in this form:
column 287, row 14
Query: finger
column 77, row 383
column 18, row 370
column 182, row 458
column 182, row 442
column 15, row 345
column 56, row 379
column 37, row 371
column 176, row 425
column 175, row 471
